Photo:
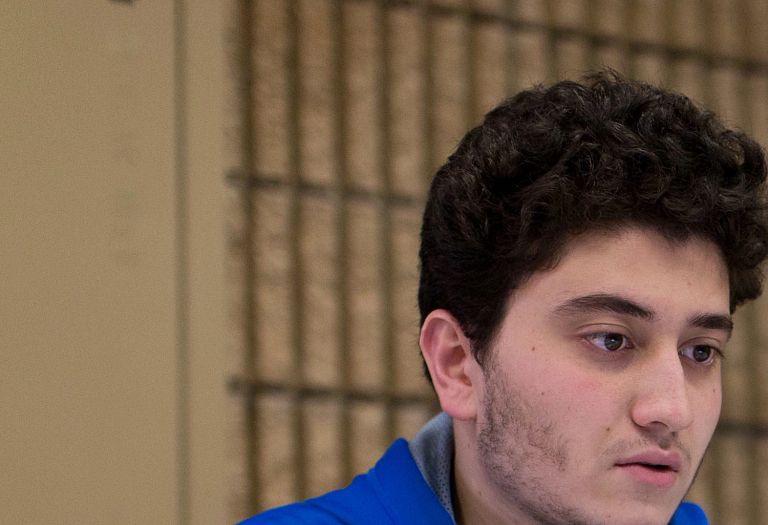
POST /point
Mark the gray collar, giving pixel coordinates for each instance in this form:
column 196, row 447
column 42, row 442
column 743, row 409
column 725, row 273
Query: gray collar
column 432, row 448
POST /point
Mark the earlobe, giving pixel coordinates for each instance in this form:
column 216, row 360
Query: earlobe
column 446, row 351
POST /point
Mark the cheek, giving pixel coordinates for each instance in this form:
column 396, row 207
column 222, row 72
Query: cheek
column 581, row 398
column 708, row 404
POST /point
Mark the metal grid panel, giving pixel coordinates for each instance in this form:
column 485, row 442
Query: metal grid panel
column 339, row 112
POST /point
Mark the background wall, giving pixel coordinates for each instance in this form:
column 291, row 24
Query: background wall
column 112, row 243
column 339, row 113
column 209, row 227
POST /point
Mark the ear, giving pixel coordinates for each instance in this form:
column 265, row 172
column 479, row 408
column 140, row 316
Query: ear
column 452, row 366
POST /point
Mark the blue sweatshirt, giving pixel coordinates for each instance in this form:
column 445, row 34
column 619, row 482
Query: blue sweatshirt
column 393, row 492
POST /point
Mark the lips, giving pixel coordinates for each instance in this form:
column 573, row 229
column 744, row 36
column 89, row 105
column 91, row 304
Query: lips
column 656, row 468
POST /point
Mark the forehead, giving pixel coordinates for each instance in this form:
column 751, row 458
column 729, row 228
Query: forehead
column 636, row 262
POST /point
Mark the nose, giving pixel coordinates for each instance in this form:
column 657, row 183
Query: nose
column 661, row 404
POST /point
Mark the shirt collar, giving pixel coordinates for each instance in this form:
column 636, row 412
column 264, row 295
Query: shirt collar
column 432, row 448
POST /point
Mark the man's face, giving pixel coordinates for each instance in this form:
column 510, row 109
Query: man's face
column 602, row 388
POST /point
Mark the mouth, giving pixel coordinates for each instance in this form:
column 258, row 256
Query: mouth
column 655, row 469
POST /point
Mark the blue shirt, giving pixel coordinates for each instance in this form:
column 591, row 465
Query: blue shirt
column 393, row 492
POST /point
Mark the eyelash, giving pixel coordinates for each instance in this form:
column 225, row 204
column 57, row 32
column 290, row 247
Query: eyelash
column 627, row 344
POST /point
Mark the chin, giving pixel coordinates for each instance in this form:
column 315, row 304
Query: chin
column 638, row 513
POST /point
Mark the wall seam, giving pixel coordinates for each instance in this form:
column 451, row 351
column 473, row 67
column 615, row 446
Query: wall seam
column 182, row 260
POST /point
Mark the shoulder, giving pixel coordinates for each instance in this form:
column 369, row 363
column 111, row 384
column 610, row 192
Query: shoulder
column 391, row 493
column 689, row 514
column 356, row 503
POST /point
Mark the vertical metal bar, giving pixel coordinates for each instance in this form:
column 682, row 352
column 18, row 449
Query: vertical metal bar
column 428, row 124
column 471, row 100
column 671, row 26
column 182, row 263
column 715, row 451
column 551, row 58
column 428, row 159
column 511, row 78
column 709, row 50
column 339, row 65
column 751, row 484
column 625, row 40
column 295, row 234
column 247, row 164
column 427, row 44
column 746, row 119
column 591, row 29
column 385, row 216
column 627, row 26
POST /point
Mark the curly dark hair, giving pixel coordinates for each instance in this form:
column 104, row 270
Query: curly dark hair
column 551, row 163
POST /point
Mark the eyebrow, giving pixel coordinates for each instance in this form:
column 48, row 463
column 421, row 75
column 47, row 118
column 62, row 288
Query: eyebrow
column 616, row 304
column 713, row 322
column 601, row 302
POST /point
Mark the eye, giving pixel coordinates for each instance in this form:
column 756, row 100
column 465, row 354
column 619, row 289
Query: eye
column 701, row 354
column 610, row 341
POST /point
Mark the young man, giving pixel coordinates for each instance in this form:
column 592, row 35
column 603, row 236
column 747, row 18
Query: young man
column 582, row 253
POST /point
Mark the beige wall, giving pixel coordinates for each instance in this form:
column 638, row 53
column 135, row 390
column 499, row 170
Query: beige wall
column 111, row 277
